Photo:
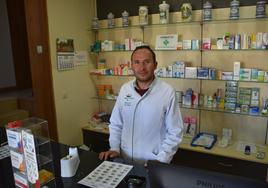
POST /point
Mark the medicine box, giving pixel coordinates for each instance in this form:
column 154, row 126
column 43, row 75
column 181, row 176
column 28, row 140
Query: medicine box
column 254, row 74
column 190, row 72
column 260, row 76
column 231, row 42
column 187, row 44
column 236, row 70
column 166, row 42
column 227, row 75
column 161, row 72
column 169, row 71
column 206, row 45
column 178, row 69
column 245, row 74
column 202, row 73
column 255, row 97
column 195, row 44
column 244, row 96
column 237, row 41
column 265, row 79
column 212, row 74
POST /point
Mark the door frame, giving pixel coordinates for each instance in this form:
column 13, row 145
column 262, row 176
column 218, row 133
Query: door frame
column 40, row 63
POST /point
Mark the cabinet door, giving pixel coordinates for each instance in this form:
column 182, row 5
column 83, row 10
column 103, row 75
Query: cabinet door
column 220, row 164
column 97, row 142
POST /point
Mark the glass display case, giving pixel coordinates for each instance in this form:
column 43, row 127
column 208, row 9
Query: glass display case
column 30, row 152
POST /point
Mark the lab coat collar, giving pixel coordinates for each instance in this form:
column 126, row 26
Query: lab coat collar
column 134, row 83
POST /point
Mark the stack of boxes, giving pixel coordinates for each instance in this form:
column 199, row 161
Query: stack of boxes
column 231, row 89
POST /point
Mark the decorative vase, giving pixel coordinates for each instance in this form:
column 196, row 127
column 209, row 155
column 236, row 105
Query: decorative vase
column 186, row 12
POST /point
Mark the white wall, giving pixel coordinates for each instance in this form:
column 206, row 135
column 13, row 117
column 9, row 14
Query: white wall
column 73, row 89
column 7, row 74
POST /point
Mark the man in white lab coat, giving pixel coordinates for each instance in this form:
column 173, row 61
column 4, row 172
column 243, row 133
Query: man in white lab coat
column 146, row 122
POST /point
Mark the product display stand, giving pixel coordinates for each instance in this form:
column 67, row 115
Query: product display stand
column 30, row 152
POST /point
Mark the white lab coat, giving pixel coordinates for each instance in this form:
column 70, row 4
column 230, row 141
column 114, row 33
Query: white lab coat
column 147, row 127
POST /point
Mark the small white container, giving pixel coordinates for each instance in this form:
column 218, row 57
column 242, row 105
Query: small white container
column 164, row 13
column 125, row 21
column 95, row 23
column 143, row 15
column 110, row 20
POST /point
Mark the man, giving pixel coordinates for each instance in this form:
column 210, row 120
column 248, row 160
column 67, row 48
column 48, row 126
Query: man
column 146, row 122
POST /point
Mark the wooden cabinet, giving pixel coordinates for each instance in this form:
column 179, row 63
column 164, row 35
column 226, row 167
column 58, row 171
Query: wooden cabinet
column 96, row 141
column 221, row 164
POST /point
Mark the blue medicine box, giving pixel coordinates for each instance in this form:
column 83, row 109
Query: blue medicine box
column 203, row 73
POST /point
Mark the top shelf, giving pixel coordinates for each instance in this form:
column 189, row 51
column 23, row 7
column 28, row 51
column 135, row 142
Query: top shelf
column 182, row 23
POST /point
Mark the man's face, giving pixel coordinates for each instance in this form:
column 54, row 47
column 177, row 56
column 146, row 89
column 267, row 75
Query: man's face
column 143, row 65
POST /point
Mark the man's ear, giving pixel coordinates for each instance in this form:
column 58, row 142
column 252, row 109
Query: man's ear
column 156, row 64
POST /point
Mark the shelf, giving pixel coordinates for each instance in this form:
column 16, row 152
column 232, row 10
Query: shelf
column 115, row 51
column 116, row 28
column 197, row 50
column 111, row 75
column 202, row 109
column 257, row 82
column 147, row 26
column 42, row 141
column 234, row 50
column 222, row 111
column 48, row 181
column 182, row 23
column 103, row 99
column 240, row 20
column 43, row 160
column 229, row 151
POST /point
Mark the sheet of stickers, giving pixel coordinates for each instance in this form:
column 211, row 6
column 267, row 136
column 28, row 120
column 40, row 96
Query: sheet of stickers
column 106, row 175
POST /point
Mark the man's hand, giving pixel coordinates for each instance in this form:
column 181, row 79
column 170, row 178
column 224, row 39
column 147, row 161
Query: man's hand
column 108, row 154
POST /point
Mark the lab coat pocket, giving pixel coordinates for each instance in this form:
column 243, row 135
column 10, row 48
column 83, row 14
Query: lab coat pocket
column 156, row 150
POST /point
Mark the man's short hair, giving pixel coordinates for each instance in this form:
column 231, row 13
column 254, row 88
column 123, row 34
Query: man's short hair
column 144, row 47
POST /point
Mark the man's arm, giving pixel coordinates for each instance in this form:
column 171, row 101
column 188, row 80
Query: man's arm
column 115, row 127
column 174, row 131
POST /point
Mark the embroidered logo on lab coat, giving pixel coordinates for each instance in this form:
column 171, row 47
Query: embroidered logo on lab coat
column 128, row 100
